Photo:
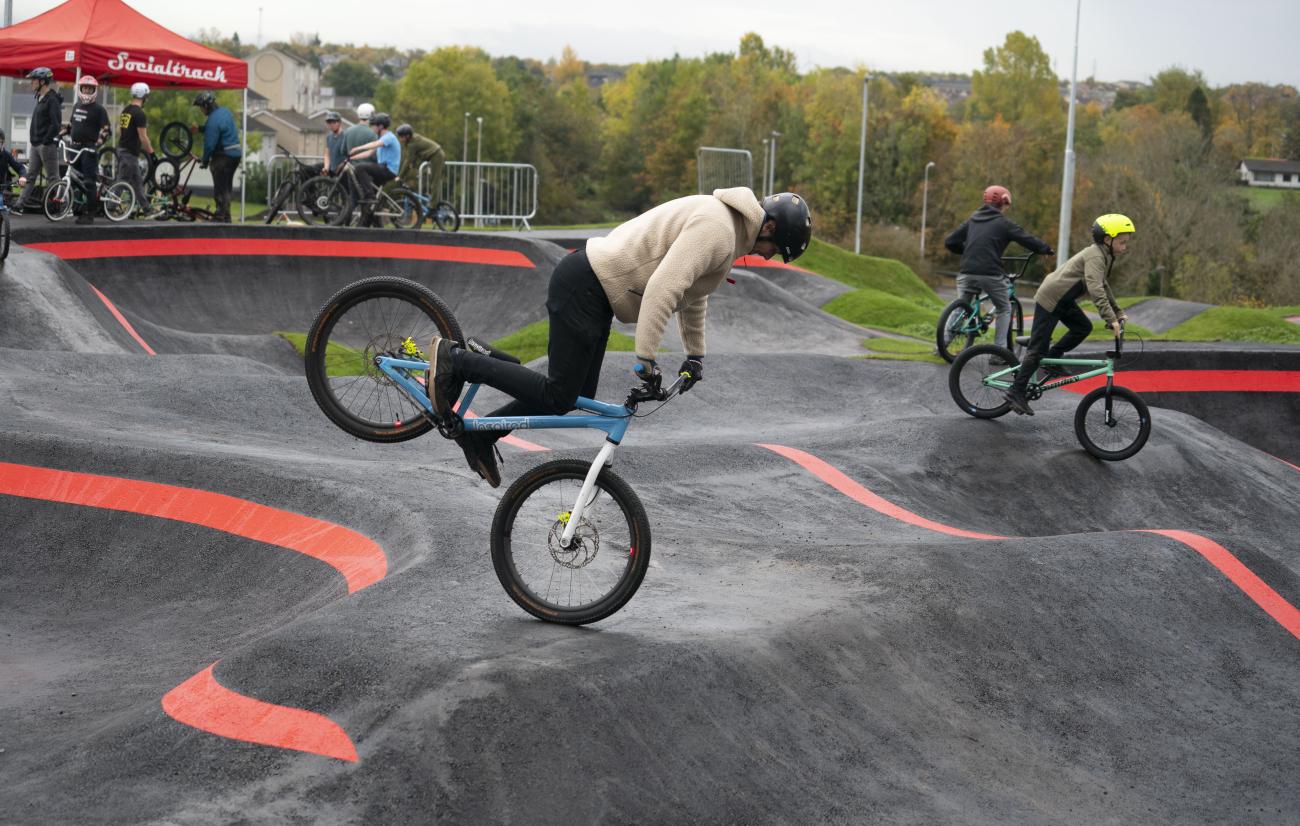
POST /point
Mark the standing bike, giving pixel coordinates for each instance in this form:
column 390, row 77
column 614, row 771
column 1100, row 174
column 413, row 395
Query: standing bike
column 65, row 195
column 337, row 201
column 964, row 322
column 570, row 539
column 1111, row 422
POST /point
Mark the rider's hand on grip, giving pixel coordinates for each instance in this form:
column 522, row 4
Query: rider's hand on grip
column 691, row 372
column 651, row 380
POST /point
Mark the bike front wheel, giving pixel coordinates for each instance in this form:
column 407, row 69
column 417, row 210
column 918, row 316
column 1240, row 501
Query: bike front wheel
column 966, row 380
column 284, row 197
column 957, row 329
column 446, row 217
column 1112, row 430
column 408, row 214
column 324, row 201
column 382, row 316
column 175, row 141
column 58, row 200
column 4, row 233
column 118, row 201
column 601, row 568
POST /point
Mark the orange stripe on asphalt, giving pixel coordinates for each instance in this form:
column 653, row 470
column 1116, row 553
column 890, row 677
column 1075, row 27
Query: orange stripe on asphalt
column 121, row 319
column 153, row 247
column 356, row 557
column 205, row 704
column 1229, row 565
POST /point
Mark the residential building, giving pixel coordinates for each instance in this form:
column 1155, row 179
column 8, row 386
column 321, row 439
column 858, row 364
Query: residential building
column 285, row 80
column 1269, row 172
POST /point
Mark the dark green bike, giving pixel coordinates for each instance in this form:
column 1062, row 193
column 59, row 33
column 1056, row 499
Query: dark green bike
column 964, row 322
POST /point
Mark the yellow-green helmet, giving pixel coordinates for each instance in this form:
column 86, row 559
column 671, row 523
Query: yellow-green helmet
column 1108, row 226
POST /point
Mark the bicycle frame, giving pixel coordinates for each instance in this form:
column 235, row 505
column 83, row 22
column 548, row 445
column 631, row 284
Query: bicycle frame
column 1103, row 367
column 613, row 419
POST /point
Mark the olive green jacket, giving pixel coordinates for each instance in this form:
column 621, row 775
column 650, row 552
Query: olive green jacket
column 1086, row 272
column 415, row 153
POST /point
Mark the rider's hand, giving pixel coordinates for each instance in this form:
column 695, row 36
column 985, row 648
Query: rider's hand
column 22, row 181
column 691, row 372
column 1049, row 251
column 1118, row 327
column 647, row 371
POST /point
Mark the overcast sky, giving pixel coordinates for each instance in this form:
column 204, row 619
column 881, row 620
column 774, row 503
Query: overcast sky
column 1129, row 40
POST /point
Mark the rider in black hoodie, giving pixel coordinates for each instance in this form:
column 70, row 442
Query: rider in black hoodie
column 47, row 120
column 980, row 241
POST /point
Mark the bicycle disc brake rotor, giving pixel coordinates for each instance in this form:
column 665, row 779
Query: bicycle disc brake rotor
column 581, row 551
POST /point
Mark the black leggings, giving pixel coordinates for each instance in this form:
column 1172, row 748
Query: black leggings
column 1045, row 321
column 580, row 320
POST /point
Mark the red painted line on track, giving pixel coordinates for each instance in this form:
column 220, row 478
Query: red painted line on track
column 200, row 701
column 121, row 319
column 1220, row 557
column 833, row 477
column 1199, row 381
column 758, row 262
column 1234, row 569
column 152, row 247
column 356, row 557
column 203, row 703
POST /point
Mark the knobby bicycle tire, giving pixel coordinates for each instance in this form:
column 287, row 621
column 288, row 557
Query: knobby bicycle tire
column 325, row 201
column 286, row 189
column 175, row 141
column 944, row 337
column 118, row 202
column 331, row 352
column 611, row 551
column 4, row 234
column 58, row 200
column 965, row 381
column 1119, row 444
column 446, row 217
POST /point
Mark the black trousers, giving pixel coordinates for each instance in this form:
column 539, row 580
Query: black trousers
column 223, row 176
column 371, row 176
column 88, row 166
column 580, row 321
column 1040, row 337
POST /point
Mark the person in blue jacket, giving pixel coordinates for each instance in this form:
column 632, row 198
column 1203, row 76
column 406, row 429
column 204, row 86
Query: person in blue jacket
column 221, row 150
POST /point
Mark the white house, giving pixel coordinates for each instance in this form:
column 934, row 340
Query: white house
column 285, row 80
column 1270, row 172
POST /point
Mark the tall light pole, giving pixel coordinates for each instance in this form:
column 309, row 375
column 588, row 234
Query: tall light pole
column 925, row 202
column 771, row 171
column 1067, row 184
column 766, row 152
column 862, row 162
column 464, row 159
column 478, row 172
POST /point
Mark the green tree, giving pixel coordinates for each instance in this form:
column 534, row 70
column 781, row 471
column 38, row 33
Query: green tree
column 439, row 88
column 1017, row 83
column 1171, row 88
column 351, row 78
column 1198, row 107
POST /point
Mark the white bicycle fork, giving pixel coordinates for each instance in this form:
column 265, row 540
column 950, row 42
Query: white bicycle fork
column 588, row 493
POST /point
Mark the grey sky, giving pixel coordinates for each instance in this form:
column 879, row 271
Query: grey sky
column 1131, row 40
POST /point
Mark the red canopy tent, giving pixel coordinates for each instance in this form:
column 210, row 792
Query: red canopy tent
column 116, row 44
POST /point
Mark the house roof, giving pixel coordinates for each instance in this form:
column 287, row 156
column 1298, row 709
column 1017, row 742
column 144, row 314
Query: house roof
column 292, row 119
column 1271, row 165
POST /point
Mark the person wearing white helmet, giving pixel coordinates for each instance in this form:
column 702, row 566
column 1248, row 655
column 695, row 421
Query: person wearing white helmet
column 132, row 141
column 89, row 126
column 359, row 133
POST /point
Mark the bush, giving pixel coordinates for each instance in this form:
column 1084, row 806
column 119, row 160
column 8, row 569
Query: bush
column 255, row 182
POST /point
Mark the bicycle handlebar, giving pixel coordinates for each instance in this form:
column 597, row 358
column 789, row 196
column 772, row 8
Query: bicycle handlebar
column 645, row 392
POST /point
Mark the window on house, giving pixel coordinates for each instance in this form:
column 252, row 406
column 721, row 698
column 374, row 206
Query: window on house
column 1265, row 177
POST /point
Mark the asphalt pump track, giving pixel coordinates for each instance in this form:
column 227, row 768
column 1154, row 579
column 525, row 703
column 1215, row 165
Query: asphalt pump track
column 863, row 605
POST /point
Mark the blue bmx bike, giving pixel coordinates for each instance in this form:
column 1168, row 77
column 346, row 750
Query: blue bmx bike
column 570, row 539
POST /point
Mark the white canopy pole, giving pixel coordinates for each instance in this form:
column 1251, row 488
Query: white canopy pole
column 243, row 161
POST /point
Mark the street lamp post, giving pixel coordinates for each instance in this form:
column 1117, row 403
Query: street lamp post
column 478, row 172
column 925, row 202
column 766, row 151
column 6, row 83
column 771, row 171
column 1067, row 183
column 862, row 162
column 464, row 158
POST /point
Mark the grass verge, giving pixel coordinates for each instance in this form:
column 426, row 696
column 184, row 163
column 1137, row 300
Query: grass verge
column 339, row 359
column 1237, row 324
column 867, row 272
column 528, row 343
column 896, row 349
column 884, row 311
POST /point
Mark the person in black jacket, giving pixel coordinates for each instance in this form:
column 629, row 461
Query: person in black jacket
column 47, row 120
column 980, row 241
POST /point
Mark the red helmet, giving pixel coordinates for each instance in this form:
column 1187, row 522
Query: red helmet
column 997, row 196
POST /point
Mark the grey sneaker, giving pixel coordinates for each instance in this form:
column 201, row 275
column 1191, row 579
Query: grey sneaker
column 442, row 382
column 1018, row 402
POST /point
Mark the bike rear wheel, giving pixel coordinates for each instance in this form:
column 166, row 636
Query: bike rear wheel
column 953, row 333
column 601, row 569
column 175, row 141
column 1115, row 433
column 118, row 201
column 966, row 381
column 283, row 197
column 4, row 234
column 446, row 217
column 381, row 316
column 324, row 201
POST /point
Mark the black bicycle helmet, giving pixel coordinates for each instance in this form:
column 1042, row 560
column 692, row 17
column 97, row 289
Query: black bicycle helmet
column 205, row 100
column 793, row 224
column 382, row 119
column 41, row 73
column 405, row 130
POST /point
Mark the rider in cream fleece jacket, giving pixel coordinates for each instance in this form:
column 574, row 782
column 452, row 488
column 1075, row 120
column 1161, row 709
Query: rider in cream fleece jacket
column 670, row 259
column 666, row 261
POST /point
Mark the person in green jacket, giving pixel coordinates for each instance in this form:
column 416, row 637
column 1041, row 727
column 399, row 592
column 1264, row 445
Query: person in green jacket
column 1057, row 301
column 360, row 132
column 416, row 150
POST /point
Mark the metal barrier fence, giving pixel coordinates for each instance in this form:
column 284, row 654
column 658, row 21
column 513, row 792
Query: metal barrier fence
column 486, row 193
column 719, row 168
column 276, row 171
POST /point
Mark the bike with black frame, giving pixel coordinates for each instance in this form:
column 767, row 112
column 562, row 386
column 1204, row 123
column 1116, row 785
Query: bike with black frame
column 287, row 195
column 334, row 201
